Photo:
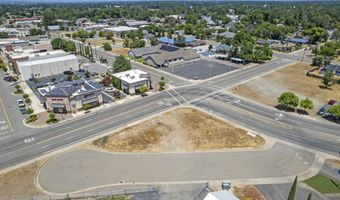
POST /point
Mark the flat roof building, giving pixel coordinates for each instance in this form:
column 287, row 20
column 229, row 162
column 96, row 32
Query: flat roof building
column 132, row 80
column 47, row 67
column 119, row 31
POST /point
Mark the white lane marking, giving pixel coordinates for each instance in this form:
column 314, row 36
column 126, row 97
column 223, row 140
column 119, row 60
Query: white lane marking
column 2, row 122
column 2, row 128
column 44, row 147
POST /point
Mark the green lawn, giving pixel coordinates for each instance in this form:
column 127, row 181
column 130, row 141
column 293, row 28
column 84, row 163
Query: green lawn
column 323, row 184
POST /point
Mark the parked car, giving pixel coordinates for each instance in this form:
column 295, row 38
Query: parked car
column 10, row 79
column 13, row 83
column 68, row 72
column 332, row 102
column 109, row 89
column 20, row 103
column 22, row 110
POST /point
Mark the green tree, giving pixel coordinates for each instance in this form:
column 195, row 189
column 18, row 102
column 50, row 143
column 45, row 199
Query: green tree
column 161, row 84
column 292, row 192
column 107, row 46
column 143, row 89
column 109, row 35
column 121, row 64
column 317, row 34
column 102, row 34
column 335, row 110
column 306, row 104
column 288, row 99
column 116, row 82
column 328, row 79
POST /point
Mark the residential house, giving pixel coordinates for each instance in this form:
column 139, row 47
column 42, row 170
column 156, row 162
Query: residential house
column 132, row 80
column 221, row 48
column 335, row 69
column 286, row 46
column 53, row 28
column 70, row 97
column 225, row 34
column 299, row 41
column 187, row 41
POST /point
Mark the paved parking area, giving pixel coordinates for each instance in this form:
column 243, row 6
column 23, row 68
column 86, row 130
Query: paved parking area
column 201, row 69
column 10, row 116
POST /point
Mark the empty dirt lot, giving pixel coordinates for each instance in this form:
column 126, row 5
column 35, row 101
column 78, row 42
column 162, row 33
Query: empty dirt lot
column 182, row 129
column 267, row 89
column 19, row 183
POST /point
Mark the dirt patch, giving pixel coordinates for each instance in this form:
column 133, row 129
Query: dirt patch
column 182, row 129
column 266, row 89
column 120, row 51
column 247, row 193
column 19, row 183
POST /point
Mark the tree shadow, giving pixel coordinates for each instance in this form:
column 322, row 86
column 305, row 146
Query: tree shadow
column 324, row 87
column 284, row 108
column 302, row 112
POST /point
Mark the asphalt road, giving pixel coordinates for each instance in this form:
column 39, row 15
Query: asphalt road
column 302, row 131
column 82, row 169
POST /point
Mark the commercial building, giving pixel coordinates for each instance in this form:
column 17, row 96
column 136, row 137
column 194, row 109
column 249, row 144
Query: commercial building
column 119, row 31
column 164, row 55
column 40, row 51
column 132, row 80
column 135, row 23
column 47, row 66
column 73, row 96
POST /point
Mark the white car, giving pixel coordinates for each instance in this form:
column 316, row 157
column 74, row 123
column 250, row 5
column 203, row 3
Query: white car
column 13, row 83
column 109, row 89
column 20, row 103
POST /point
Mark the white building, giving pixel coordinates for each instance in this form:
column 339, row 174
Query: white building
column 132, row 80
column 118, row 31
column 221, row 195
column 47, row 67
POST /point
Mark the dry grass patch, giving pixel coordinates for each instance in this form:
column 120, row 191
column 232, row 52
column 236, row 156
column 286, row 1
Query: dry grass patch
column 266, row 89
column 120, row 51
column 182, row 129
column 248, row 193
column 19, row 183
column 98, row 41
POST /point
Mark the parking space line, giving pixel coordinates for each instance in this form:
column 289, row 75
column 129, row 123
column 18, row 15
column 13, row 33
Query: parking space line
column 6, row 115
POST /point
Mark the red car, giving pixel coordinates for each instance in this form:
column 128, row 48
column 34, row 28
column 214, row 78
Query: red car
column 332, row 102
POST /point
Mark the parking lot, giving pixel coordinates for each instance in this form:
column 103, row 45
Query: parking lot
column 199, row 70
column 10, row 116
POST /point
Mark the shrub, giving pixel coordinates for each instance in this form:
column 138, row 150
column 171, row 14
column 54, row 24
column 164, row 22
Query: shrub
column 29, row 110
column 25, row 96
column 28, row 101
column 51, row 119
column 31, row 118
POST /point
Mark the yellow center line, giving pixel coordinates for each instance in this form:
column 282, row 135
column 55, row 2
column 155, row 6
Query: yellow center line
column 6, row 115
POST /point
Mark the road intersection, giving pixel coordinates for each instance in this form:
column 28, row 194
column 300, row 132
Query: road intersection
column 209, row 95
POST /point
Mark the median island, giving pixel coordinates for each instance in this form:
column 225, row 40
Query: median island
column 179, row 130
